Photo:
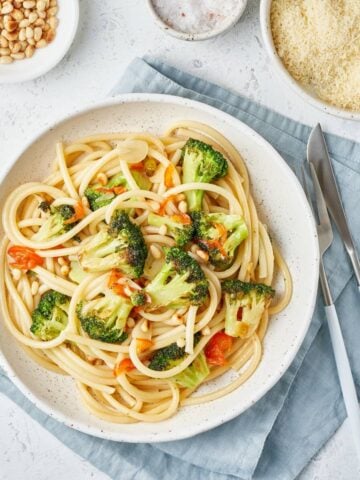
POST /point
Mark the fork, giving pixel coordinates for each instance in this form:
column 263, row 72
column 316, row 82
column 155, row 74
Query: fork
column 325, row 236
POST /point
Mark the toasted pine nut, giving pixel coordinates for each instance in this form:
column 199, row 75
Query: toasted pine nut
column 34, row 287
column 43, row 289
column 182, row 206
column 17, row 4
column 11, row 26
column 4, row 51
column 29, row 4
column 18, row 56
column 145, row 326
column 37, row 33
column 33, row 17
column 64, row 270
column 155, row 251
column 31, row 41
column 22, row 35
column 17, row 15
column 4, row 42
column 4, row 60
column 7, row 7
column 29, row 32
column 180, row 196
column 163, row 230
column 130, row 322
column 203, row 255
column 154, row 205
column 39, row 22
column 61, row 261
column 16, row 48
column 85, row 202
column 24, row 23
column 51, row 12
column 53, row 21
column 180, row 342
column 10, row 36
column 27, row 13
column 40, row 6
column 42, row 15
column 50, row 35
column 29, row 51
column 16, row 272
column 53, row 3
column 41, row 43
column 205, row 331
column 102, row 178
column 127, row 291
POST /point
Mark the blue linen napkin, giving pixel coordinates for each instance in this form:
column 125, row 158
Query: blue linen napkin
column 277, row 437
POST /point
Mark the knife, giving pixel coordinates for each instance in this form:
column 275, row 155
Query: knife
column 317, row 154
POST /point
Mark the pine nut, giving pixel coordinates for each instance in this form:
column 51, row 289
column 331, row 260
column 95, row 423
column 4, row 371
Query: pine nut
column 51, row 12
column 18, row 56
column 11, row 26
column 3, row 42
column 34, row 288
column 127, row 291
column 64, row 270
column 29, row 51
column 27, row 13
column 37, row 33
column 40, row 6
column 4, row 51
column 163, row 230
column 53, row 22
column 50, row 35
column 61, row 261
column 180, row 342
column 29, row 4
column 155, row 251
column 22, row 35
column 42, row 15
column 130, row 322
column 16, row 48
column 29, row 32
column 203, row 255
column 182, row 206
column 205, row 331
column 46, row 27
column 102, row 178
column 155, row 206
column 145, row 326
column 10, row 36
column 33, row 17
column 4, row 60
column 31, row 41
column 17, row 15
column 180, row 196
column 24, row 23
column 53, row 3
column 85, row 202
column 16, row 273
column 17, row 3
column 39, row 22
column 7, row 8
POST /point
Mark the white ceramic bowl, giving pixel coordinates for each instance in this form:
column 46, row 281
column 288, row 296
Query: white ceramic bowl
column 226, row 25
column 44, row 59
column 285, row 210
column 305, row 93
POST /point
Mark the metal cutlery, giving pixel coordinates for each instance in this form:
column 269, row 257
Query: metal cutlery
column 325, row 236
column 318, row 155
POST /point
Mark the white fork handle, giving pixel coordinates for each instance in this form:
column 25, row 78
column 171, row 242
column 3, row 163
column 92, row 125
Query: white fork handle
column 345, row 375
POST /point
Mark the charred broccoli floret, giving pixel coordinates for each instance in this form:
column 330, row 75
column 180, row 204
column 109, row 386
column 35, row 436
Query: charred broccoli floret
column 101, row 195
column 200, row 163
column 170, row 356
column 121, row 246
column 180, row 227
column 138, row 298
column 50, row 317
column 245, row 305
column 57, row 223
column 180, row 282
column 104, row 318
column 219, row 234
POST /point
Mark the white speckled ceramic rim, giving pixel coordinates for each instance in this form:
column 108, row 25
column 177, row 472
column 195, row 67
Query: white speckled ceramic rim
column 232, row 20
column 221, row 416
column 44, row 59
column 307, row 96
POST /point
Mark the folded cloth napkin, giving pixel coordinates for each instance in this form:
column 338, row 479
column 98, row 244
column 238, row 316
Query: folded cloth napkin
column 277, row 437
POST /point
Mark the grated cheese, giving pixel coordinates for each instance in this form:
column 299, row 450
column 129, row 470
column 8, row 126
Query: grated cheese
column 319, row 43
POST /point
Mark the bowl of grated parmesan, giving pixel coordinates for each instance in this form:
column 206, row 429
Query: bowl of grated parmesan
column 314, row 46
column 196, row 19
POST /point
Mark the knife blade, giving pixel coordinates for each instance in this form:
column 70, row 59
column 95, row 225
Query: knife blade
column 318, row 155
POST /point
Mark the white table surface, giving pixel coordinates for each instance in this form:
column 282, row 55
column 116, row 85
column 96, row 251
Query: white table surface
column 110, row 34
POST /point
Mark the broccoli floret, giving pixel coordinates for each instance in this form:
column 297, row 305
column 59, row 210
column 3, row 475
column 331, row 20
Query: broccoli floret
column 170, row 356
column 121, row 246
column 219, row 234
column 245, row 304
column 104, row 318
column 194, row 374
column 44, row 206
column 56, row 224
column 50, row 316
column 200, row 163
column 180, row 227
column 101, row 195
column 180, row 282
column 138, row 298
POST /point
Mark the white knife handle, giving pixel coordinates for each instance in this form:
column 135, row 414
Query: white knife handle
column 345, row 375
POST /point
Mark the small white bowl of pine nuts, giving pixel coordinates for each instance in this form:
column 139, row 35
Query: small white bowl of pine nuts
column 34, row 36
